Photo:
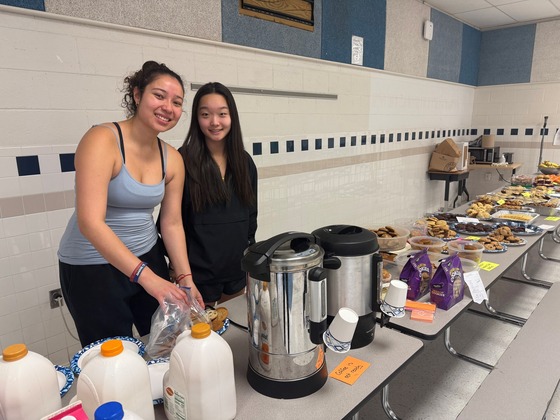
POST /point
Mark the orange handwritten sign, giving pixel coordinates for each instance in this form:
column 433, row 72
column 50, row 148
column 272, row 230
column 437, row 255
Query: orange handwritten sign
column 349, row 370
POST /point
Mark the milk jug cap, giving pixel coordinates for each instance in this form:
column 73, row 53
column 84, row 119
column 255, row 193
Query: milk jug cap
column 111, row 410
column 14, row 352
column 112, row 348
column 200, row 330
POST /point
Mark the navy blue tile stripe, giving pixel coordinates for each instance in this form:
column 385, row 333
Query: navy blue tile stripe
column 30, row 165
column 392, row 137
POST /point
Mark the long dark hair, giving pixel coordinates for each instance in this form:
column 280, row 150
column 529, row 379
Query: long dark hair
column 204, row 178
column 142, row 78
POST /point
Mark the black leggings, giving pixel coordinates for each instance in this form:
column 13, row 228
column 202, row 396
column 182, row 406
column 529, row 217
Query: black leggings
column 103, row 301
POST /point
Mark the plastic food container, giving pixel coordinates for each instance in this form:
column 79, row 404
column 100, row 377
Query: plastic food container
column 470, row 250
column 395, row 243
column 430, row 243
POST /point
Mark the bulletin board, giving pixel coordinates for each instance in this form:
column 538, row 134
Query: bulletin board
column 296, row 13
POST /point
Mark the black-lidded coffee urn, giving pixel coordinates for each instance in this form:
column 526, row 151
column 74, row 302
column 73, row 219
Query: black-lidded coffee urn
column 354, row 282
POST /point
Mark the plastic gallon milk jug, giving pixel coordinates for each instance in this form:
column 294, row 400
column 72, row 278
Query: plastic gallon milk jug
column 200, row 383
column 116, row 374
column 114, row 410
column 28, row 385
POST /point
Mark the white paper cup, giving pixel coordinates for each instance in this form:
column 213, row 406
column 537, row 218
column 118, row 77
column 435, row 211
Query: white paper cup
column 396, row 295
column 338, row 336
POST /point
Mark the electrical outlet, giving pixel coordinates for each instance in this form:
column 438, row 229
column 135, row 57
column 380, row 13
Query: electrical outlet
column 55, row 297
column 488, row 176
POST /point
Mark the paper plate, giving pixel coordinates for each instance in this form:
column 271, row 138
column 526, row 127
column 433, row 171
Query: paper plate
column 225, row 327
column 90, row 350
column 65, row 379
column 496, row 251
column 157, row 369
column 520, row 229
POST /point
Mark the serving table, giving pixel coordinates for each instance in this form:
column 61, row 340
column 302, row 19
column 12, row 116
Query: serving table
column 444, row 319
column 389, row 352
column 510, row 166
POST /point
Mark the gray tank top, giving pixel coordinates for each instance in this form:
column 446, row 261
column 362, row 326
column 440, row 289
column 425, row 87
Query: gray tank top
column 130, row 205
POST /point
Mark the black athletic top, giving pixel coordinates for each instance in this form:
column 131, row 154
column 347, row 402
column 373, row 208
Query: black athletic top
column 218, row 236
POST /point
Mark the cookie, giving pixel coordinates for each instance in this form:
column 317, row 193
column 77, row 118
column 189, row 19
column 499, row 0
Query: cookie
column 222, row 313
column 217, row 324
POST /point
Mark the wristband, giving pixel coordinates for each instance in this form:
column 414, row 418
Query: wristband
column 182, row 276
column 137, row 271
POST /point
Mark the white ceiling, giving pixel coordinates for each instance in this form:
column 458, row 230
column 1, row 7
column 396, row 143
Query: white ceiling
column 492, row 14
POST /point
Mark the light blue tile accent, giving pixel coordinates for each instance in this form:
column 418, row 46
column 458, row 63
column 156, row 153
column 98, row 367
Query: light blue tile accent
column 364, row 18
column 258, row 33
column 470, row 56
column 506, row 55
column 26, row 4
column 444, row 60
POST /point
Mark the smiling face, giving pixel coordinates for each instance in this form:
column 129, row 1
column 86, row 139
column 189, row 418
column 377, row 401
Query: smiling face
column 213, row 117
column 161, row 104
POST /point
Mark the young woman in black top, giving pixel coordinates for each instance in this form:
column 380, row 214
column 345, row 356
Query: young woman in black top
column 220, row 195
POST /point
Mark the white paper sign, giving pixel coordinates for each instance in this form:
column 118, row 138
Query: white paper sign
column 357, row 50
column 546, row 227
column 467, row 219
column 476, row 287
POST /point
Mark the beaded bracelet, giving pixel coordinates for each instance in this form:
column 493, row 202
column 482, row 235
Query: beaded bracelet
column 137, row 271
column 182, row 276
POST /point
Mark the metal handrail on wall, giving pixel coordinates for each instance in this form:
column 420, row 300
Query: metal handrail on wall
column 270, row 92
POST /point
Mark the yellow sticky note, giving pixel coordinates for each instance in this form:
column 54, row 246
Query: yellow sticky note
column 553, row 218
column 473, row 238
column 526, row 194
column 487, row 265
column 349, row 370
column 500, row 202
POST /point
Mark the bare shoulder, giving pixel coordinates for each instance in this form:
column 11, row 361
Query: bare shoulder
column 173, row 154
column 174, row 162
column 99, row 149
column 100, row 137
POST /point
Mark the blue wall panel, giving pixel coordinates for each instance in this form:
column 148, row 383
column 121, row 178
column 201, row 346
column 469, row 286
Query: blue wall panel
column 342, row 19
column 444, row 59
column 258, row 33
column 26, row 4
column 506, row 55
column 470, row 56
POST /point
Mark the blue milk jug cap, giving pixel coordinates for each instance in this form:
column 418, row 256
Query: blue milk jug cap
column 111, row 410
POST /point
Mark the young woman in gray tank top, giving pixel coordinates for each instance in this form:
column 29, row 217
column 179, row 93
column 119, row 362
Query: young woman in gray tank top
column 113, row 271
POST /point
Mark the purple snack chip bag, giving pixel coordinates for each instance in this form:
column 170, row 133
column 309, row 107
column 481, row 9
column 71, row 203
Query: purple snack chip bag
column 417, row 273
column 448, row 285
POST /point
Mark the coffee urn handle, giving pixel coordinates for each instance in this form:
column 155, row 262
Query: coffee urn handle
column 318, row 304
column 377, row 275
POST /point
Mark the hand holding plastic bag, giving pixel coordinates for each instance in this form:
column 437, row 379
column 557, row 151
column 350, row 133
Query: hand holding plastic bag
column 170, row 320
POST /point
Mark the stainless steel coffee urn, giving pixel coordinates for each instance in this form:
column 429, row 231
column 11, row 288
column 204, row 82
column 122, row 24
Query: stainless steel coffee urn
column 287, row 315
column 353, row 282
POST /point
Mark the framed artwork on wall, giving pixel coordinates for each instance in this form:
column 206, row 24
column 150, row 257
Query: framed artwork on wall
column 296, row 13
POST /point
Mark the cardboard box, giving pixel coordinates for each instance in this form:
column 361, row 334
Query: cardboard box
column 488, row 140
column 444, row 163
column 448, row 147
